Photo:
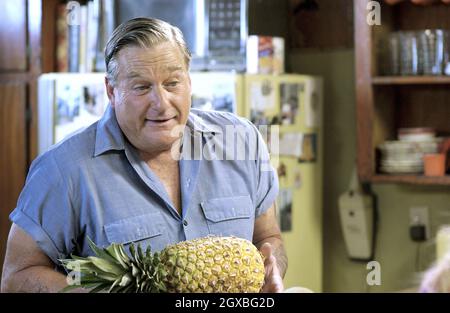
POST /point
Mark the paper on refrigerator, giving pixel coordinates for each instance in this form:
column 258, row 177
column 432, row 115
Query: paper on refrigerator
column 291, row 144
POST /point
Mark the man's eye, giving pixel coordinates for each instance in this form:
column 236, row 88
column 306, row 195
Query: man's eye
column 141, row 88
column 172, row 83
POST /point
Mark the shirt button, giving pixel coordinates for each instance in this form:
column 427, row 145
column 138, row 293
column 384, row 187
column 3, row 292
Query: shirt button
column 185, row 223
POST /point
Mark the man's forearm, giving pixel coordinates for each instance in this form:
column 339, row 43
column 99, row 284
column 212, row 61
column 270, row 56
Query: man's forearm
column 35, row 279
column 278, row 251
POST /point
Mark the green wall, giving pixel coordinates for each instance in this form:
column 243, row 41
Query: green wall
column 400, row 258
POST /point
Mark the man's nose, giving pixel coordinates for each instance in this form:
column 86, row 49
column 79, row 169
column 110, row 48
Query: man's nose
column 158, row 97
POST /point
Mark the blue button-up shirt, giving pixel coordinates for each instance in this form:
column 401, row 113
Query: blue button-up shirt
column 94, row 184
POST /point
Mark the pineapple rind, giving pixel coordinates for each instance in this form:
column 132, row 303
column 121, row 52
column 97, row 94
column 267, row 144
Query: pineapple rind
column 213, row 264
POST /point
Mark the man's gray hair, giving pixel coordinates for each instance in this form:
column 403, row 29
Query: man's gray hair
column 145, row 33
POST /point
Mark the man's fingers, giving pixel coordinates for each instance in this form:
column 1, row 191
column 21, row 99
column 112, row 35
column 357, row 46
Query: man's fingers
column 273, row 281
column 274, row 285
column 270, row 262
column 266, row 250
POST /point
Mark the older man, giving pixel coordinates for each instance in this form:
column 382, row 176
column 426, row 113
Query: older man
column 122, row 180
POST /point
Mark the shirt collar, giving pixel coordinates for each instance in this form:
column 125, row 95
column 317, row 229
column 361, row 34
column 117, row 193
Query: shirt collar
column 110, row 137
column 197, row 124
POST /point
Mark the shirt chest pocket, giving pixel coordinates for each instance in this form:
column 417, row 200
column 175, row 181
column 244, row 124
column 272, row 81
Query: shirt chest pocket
column 230, row 216
column 144, row 229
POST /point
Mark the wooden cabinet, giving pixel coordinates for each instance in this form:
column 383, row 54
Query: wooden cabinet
column 386, row 103
column 13, row 41
column 13, row 154
column 20, row 29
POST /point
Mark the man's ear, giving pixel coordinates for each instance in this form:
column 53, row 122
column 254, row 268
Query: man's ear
column 110, row 91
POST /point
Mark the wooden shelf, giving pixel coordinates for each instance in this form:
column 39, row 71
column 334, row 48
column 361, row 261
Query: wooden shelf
column 412, row 179
column 410, row 80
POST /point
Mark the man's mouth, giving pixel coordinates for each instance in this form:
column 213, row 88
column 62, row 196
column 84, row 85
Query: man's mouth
column 159, row 120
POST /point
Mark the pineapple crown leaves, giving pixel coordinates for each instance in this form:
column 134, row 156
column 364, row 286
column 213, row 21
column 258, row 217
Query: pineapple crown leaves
column 113, row 270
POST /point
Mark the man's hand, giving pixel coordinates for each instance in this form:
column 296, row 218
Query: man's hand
column 272, row 280
column 267, row 238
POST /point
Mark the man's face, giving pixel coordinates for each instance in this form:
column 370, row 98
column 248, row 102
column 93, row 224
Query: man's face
column 152, row 95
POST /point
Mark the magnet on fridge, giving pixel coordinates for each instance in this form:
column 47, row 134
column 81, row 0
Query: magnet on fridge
column 298, row 179
column 309, row 148
column 289, row 103
column 285, row 209
column 282, row 170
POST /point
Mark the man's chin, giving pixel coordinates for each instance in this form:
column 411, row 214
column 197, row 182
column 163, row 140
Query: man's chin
column 163, row 143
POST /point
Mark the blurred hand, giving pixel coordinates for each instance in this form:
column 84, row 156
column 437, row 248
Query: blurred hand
column 272, row 281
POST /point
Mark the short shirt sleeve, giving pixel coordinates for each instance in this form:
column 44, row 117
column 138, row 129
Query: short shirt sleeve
column 266, row 177
column 44, row 209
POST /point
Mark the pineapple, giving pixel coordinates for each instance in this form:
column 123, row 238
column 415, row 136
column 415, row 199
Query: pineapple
column 209, row 264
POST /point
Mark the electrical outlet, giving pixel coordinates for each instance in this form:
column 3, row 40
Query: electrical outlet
column 419, row 216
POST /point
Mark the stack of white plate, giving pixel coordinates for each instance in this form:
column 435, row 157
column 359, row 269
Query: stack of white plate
column 405, row 157
column 416, row 134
